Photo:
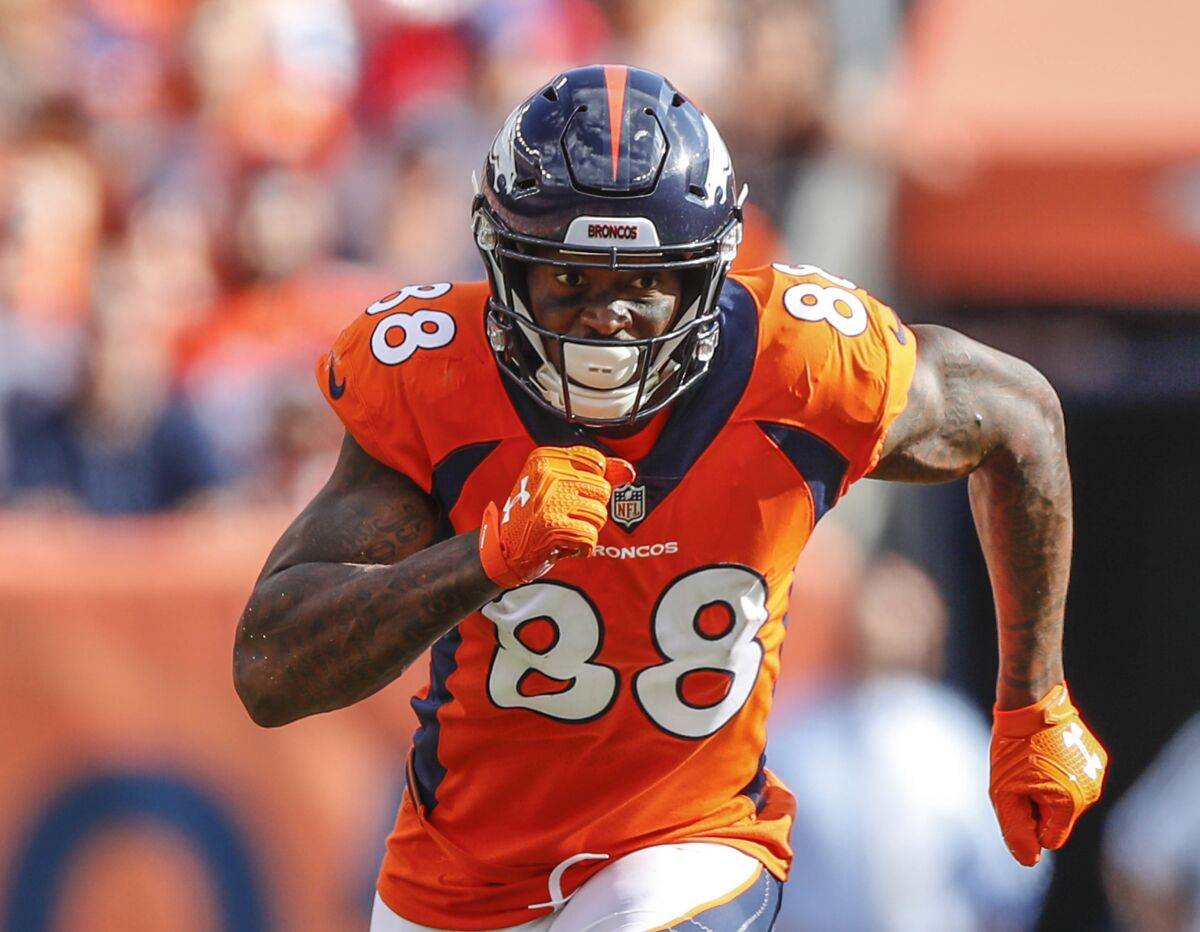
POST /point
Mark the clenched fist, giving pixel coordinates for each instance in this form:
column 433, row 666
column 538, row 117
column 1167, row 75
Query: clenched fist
column 1047, row 768
column 556, row 510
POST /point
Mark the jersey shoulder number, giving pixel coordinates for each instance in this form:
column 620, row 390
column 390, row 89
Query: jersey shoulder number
column 399, row 332
column 389, row 361
column 811, row 294
column 833, row 360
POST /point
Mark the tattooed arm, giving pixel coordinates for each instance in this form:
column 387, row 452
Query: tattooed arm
column 974, row 410
column 352, row 594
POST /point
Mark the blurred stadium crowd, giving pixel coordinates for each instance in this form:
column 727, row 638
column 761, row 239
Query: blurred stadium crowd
column 197, row 194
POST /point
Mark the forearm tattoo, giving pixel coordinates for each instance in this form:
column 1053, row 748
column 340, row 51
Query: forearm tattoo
column 1021, row 502
column 976, row 411
column 319, row 636
column 349, row 598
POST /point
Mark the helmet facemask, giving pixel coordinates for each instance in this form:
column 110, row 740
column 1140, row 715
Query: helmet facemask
column 602, row 382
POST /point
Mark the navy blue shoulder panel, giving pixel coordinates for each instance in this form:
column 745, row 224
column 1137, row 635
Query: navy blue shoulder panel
column 451, row 474
column 449, row 477
column 821, row 466
column 695, row 419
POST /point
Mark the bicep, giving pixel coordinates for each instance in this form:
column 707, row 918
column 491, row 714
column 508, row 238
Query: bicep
column 367, row 513
column 966, row 401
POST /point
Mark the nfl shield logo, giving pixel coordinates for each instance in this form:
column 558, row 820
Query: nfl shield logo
column 629, row 505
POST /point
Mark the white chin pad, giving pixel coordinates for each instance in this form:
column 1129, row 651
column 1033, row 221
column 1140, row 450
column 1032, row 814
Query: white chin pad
column 600, row 366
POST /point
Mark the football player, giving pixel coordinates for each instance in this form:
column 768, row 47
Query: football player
column 584, row 484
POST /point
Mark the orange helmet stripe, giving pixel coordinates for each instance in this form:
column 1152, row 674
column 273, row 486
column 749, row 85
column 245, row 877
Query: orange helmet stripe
column 615, row 77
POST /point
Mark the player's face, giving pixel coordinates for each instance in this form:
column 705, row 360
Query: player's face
column 583, row 301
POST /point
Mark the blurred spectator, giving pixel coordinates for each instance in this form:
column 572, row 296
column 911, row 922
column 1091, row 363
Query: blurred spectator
column 696, row 43
column 836, row 184
column 52, row 206
column 276, row 76
column 894, row 831
column 126, row 442
column 54, row 199
column 423, row 229
column 522, row 42
column 1152, row 841
column 248, row 363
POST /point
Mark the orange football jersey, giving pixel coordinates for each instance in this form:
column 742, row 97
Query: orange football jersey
column 620, row 701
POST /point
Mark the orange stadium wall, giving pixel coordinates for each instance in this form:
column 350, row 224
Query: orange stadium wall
column 135, row 793
column 1054, row 152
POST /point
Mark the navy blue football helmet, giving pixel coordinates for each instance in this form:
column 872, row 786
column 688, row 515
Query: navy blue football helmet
column 609, row 166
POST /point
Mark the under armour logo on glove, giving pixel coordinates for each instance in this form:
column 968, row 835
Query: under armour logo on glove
column 522, row 496
column 1073, row 738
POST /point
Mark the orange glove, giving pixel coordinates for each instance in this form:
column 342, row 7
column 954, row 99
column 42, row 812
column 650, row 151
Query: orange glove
column 1047, row 768
column 556, row 510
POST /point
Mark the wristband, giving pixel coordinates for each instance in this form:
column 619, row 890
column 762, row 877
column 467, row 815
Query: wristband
column 491, row 552
column 1025, row 721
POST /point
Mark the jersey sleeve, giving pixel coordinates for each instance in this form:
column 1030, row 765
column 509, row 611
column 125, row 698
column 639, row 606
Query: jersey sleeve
column 372, row 400
column 847, row 359
column 893, row 348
